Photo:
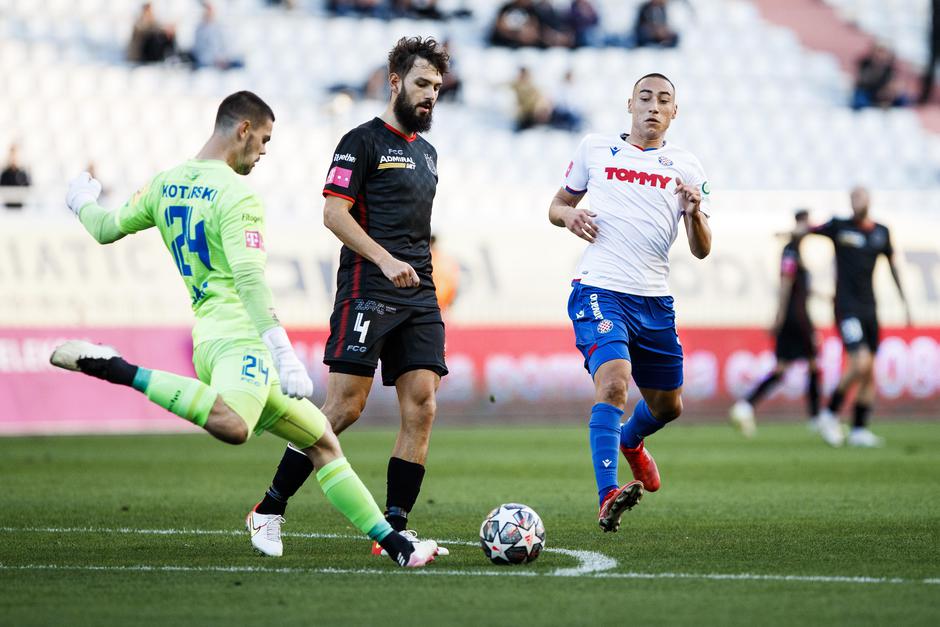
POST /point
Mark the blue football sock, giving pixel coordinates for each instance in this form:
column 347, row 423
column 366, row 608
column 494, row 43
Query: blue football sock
column 605, row 440
column 641, row 424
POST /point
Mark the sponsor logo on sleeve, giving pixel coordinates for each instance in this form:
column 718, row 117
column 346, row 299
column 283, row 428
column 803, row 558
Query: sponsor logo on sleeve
column 341, row 177
column 344, row 157
column 706, row 190
column 253, row 239
column 568, row 171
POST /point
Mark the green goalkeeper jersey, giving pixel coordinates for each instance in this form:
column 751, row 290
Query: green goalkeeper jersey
column 213, row 226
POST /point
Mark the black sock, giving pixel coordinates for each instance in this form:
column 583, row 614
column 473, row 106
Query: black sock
column 835, row 403
column 113, row 369
column 398, row 547
column 291, row 473
column 404, row 483
column 763, row 388
column 812, row 392
column 862, row 414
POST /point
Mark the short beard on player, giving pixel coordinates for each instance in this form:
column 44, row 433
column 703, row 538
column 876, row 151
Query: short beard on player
column 407, row 113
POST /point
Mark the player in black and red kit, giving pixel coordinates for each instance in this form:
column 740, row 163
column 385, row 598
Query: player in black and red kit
column 858, row 242
column 793, row 330
column 379, row 191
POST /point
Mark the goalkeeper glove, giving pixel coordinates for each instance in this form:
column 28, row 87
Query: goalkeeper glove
column 83, row 189
column 295, row 382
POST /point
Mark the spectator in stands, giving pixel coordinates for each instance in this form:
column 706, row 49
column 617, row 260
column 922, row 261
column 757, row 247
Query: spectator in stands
column 360, row 8
column 532, row 107
column 211, row 48
column 553, row 25
column 652, row 26
column 585, row 23
column 417, row 9
column 14, row 175
column 450, row 88
column 874, row 83
column 151, row 41
column 926, row 89
column 566, row 112
column 375, row 86
column 517, row 24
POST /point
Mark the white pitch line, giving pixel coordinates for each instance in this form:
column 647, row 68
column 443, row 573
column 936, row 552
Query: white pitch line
column 591, row 564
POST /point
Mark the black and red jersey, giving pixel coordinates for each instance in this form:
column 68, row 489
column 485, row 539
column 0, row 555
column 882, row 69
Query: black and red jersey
column 791, row 265
column 391, row 179
column 858, row 246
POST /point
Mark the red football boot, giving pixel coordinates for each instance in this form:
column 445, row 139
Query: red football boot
column 642, row 466
column 616, row 503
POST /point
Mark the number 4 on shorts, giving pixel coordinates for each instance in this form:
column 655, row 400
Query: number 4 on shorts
column 362, row 327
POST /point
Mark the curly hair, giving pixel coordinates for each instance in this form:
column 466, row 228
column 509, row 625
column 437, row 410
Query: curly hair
column 408, row 49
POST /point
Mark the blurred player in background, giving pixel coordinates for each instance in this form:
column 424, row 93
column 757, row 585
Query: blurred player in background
column 641, row 188
column 858, row 241
column 446, row 275
column 793, row 331
column 213, row 225
column 379, row 193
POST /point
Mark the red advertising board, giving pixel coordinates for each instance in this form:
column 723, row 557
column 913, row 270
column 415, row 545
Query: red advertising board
column 497, row 374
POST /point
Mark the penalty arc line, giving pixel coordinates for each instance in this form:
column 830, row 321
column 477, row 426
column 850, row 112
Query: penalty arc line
column 592, row 564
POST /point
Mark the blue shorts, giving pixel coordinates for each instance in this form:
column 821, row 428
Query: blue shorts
column 612, row 325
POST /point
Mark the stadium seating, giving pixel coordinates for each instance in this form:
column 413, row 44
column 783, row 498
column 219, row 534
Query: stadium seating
column 902, row 24
column 760, row 111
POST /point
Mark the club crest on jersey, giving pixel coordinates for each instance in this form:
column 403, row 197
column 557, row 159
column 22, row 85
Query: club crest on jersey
column 614, row 150
column 605, row 326
column 666, row 161
column 432, row 166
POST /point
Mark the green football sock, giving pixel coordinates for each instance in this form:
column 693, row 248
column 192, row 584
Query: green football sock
column 188, row 398
column 349, row 495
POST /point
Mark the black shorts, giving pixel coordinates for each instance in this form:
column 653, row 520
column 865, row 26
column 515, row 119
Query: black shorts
column 364, row 330
column 858, row 329
column 795, row 341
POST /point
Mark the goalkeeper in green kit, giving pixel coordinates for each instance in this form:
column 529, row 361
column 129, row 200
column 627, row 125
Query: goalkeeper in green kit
column 250, row 379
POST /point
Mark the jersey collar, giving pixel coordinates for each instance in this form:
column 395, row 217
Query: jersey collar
column 407, row 138
column 626, row 138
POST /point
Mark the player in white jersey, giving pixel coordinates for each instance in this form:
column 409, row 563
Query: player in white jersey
column 641, row 188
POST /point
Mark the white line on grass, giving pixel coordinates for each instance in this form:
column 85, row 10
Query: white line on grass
column 588, row 561
column 591, row 564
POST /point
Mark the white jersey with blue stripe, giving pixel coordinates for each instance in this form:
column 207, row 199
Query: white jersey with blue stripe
column 632, row 191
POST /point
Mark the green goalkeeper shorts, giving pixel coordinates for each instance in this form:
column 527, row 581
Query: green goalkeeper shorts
column 243, row 374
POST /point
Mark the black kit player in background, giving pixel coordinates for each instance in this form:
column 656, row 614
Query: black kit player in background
column 378, row 196
column 858, row 241
column 795, row 336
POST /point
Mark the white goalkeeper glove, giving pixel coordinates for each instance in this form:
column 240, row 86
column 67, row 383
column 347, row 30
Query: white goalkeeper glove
column 295, row 382
column 83, row 189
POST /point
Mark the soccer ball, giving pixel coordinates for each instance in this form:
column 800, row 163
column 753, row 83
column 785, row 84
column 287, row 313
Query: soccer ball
column 512, row 534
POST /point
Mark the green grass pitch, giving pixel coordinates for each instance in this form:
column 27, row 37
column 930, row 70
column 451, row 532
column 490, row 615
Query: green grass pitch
column 781, row 530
